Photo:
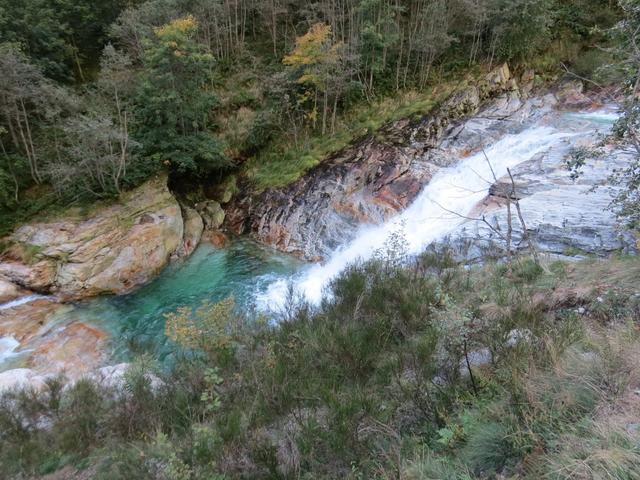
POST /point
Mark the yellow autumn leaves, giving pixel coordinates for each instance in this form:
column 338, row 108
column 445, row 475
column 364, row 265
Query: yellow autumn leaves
column 209, row 329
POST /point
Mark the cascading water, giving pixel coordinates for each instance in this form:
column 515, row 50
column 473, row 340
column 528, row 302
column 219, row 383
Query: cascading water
column 441, row 206
column 260, row 277
column 8, row 347
column 21, row 301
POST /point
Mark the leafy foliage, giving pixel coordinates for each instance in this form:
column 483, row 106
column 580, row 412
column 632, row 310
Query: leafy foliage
column 265, row 89
column 175, row 101
column 62, row 37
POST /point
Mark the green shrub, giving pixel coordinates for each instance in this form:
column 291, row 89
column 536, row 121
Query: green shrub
column 81, row 413
column 432, row 467
column 488, row 449
column 124, row 462
column 367, row 385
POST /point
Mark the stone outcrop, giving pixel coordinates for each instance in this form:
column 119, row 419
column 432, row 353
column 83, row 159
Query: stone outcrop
column 193, row 228
column 571, row 95
column 212, row 214
column 376, row 178
column 73, row 349
column 20, row 378
column 113, row 250
column 49, row 342
column 8, row 291
column 562, row 216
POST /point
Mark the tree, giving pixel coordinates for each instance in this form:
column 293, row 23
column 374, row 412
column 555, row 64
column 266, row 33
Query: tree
column 378, row 35
column 29, row 104
column 175, row 101
column 116, row 86
column 316, row 61
column 135, row 25
column 8, row 174
column 93, row 159
column 223, row 25
column 61, row 37
column 520, row 28
column 95, row 150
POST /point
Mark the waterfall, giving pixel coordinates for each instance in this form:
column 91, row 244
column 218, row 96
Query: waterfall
column 441, row 206
column 8, row 346
column 21, row 301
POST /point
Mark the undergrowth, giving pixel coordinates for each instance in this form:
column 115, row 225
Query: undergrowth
column 423, row 371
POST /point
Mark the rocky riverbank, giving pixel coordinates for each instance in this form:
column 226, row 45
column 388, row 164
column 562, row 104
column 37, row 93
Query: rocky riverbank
column 113, row 250
column 560, row 215
column 376, row 178
column 44, row 343
column 382, row 174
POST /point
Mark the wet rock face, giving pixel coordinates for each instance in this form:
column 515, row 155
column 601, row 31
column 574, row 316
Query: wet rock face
column 49, row 344
column 316, row 214
column 113, row 251
column 562, row 216
column 212, row 214
column 373, row 180
column 8, row 291
column 571, row 95
column 193, row 228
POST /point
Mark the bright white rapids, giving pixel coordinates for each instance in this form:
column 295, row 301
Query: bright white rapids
column 8, row 347
column 455, row 189
column 438, row 210
column 20, row 301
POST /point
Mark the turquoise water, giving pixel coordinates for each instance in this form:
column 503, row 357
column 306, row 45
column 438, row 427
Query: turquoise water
column 136, row 321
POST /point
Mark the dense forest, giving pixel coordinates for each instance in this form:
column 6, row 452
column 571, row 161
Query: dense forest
column 96, row 98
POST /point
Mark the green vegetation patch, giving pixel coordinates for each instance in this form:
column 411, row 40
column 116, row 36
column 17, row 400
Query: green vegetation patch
column 427, row 370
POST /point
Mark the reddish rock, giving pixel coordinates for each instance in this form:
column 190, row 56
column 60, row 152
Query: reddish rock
column 193, row 228
column 9, row 291
column 75, row 350
column 29, row 321
column 49, row 344
column 571, row 95
column 217, row 239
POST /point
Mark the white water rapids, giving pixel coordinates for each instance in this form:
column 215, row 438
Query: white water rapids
column 9, row 345
column 439, row 209
column 20, row 301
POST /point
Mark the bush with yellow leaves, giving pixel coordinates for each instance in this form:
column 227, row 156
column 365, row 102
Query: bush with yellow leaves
column 209, row 328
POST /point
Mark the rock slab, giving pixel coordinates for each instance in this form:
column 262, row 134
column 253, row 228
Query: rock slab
column 111, row 251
